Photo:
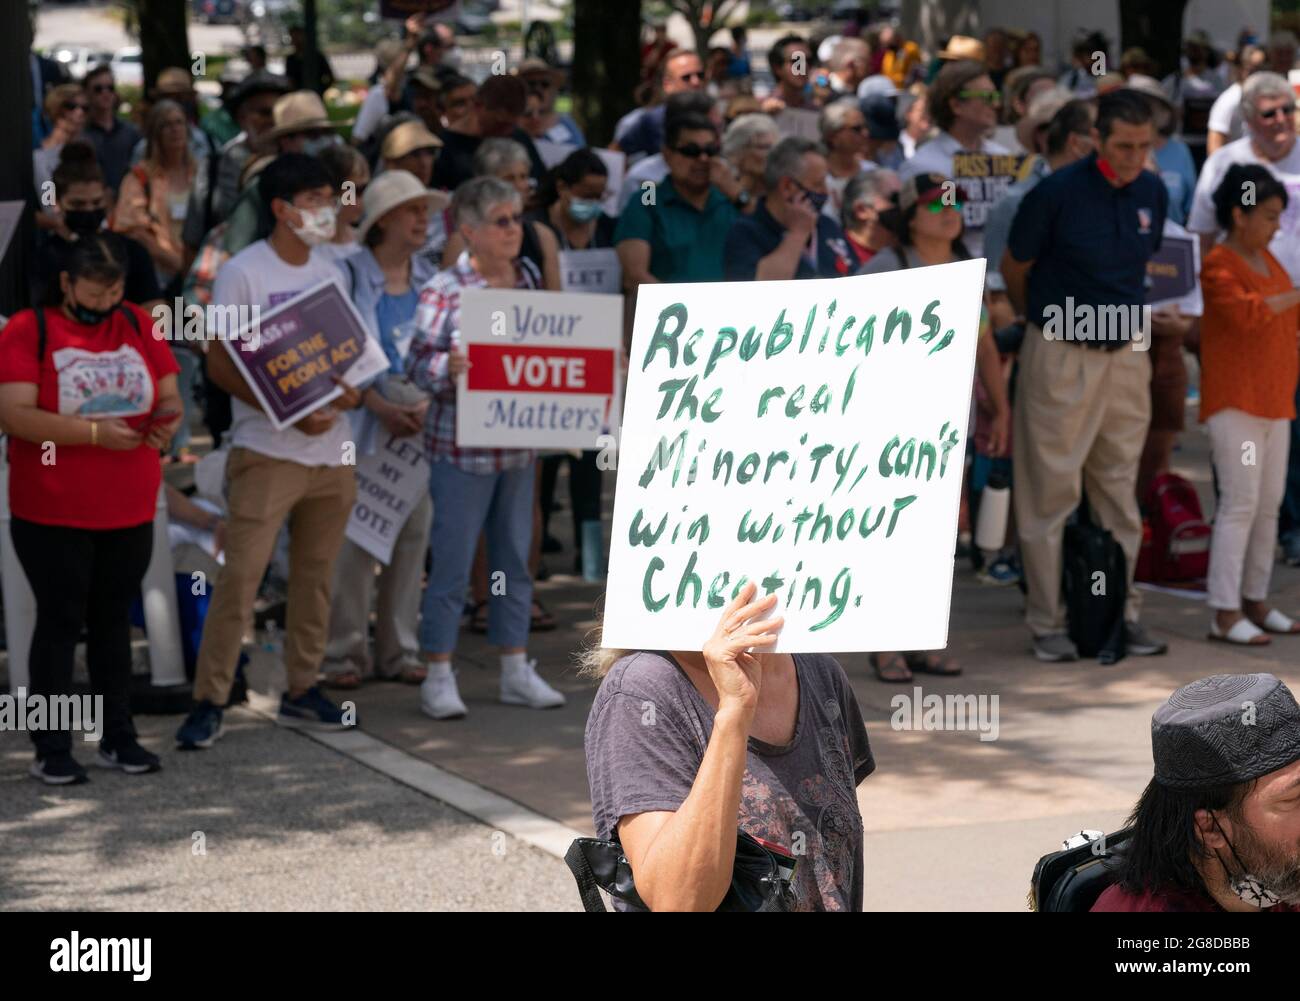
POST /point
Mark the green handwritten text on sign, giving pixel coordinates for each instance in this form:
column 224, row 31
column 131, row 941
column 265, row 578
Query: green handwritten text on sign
column 808, row 436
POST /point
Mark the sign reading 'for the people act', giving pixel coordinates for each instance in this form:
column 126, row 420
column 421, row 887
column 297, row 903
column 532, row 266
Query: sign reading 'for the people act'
column 543, row 369
column 805, row 435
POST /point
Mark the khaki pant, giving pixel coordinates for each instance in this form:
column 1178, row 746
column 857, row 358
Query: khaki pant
column 1081, row 417
column 397, row 647
column 263, row 492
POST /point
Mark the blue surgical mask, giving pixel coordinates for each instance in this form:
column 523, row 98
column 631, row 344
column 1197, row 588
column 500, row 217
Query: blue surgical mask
column 584, row 210
column 317, row 144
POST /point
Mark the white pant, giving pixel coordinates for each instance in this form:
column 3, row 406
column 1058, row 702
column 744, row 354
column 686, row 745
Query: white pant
column 1250, row 458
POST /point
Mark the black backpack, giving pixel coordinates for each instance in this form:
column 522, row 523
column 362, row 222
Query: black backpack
column 1096, row 620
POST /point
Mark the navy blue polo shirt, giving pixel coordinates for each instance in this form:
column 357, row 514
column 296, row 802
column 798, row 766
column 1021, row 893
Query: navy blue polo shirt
column 1089, row 241
column 753, row 237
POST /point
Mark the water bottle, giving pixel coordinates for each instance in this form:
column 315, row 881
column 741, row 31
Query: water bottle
column 995, row 505
column 273, row 642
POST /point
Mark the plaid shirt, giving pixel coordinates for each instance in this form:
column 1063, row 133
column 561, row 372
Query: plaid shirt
column 437, row 331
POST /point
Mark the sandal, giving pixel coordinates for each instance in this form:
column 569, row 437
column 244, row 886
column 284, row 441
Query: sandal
column 542, row 620
column 1276, row 622
column 892, row 671
column 344, row 680
column 1243, row 632
column 924, row 662
column 478, row 618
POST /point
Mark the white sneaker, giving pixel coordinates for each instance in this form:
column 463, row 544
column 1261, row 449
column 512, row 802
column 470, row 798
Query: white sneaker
column 525, row 687
column 440, row 698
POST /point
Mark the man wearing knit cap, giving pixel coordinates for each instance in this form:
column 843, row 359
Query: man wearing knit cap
column 1218, row 827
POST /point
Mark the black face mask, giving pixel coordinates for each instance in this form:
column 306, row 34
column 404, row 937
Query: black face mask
column 91, row 317
column 84, row 221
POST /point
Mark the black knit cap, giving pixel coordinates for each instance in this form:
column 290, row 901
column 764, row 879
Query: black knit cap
column 1225, row 729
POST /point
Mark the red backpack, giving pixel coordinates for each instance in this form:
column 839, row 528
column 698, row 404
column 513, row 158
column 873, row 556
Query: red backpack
column 1175, row 537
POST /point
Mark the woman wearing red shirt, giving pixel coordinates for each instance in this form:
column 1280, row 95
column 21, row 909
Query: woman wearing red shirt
column 87, row 397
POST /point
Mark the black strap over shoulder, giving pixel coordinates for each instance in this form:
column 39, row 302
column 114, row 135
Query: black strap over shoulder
column 41, row 335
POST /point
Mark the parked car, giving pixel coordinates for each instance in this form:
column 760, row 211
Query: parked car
column 128, row 66
column 77, row 60
column 218, row 11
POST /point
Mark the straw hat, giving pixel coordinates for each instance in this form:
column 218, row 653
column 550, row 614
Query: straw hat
column 407, row 138
column 963, row 47
column 173, row 82
column 301, row 111
column 386, row 192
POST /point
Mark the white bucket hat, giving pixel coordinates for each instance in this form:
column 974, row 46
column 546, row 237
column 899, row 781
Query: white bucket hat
column 386, row 192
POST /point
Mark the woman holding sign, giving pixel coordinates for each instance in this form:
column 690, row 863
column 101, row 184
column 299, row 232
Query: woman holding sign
column 385, row 279
column 927, row 224
column 685, row 749
column 571, row 199
column 474, row 489
column 88, row 397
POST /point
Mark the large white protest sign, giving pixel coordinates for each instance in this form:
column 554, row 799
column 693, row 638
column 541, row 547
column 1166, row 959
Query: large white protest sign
column 543, row 368
column 389, row 485
column 805, row 435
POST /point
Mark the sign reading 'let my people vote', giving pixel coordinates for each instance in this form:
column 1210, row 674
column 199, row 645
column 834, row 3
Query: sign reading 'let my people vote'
column 805, row 435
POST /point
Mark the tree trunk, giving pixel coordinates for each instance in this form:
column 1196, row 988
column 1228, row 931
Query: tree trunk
column 1157, row 26
column 163, row 37
column 606, row 64
column 16, row 167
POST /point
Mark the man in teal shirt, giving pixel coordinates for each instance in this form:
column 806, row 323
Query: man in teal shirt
column 676, row 230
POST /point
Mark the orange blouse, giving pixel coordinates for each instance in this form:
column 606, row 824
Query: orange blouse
column 1250, row 358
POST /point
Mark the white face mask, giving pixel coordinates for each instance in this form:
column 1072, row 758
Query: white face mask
column 317, row 225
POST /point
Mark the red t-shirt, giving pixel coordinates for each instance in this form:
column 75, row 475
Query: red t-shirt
column 1116, row 898
column 101, row 372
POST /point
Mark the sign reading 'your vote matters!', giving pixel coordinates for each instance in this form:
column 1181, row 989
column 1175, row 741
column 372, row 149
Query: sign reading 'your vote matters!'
column 804, row 435
column 543, row 369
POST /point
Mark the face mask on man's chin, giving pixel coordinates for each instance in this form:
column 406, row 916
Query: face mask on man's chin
column 1268, row 880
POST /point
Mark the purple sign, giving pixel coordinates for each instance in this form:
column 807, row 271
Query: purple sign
column 1171, row 271
column 289, row 356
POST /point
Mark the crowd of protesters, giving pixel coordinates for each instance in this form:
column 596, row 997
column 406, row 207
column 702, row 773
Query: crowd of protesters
column 857, row 160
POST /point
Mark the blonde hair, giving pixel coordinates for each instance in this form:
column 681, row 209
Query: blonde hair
column 154, row 123
column 594, row 660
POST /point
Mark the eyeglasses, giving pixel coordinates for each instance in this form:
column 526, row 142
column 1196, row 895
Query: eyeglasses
column 1286, row 109
column 694, row 151
column 987, row 96
column 508, row 221
column 938, row 205
column 74, row 106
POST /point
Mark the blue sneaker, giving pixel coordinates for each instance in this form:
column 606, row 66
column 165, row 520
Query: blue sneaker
column 201, row 729
column 1001, row 573
column 312, row 709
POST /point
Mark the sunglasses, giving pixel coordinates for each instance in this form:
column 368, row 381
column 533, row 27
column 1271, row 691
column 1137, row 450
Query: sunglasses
column 1286, row 110
column 102, row 88
column 74, row 106
column 534, row 113
column 508, row 221
column 688, row 77
column 938, row 205
column 987, row 96
column 694, row 151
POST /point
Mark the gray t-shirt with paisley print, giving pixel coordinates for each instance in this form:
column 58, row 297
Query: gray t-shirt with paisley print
column 646, row 736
